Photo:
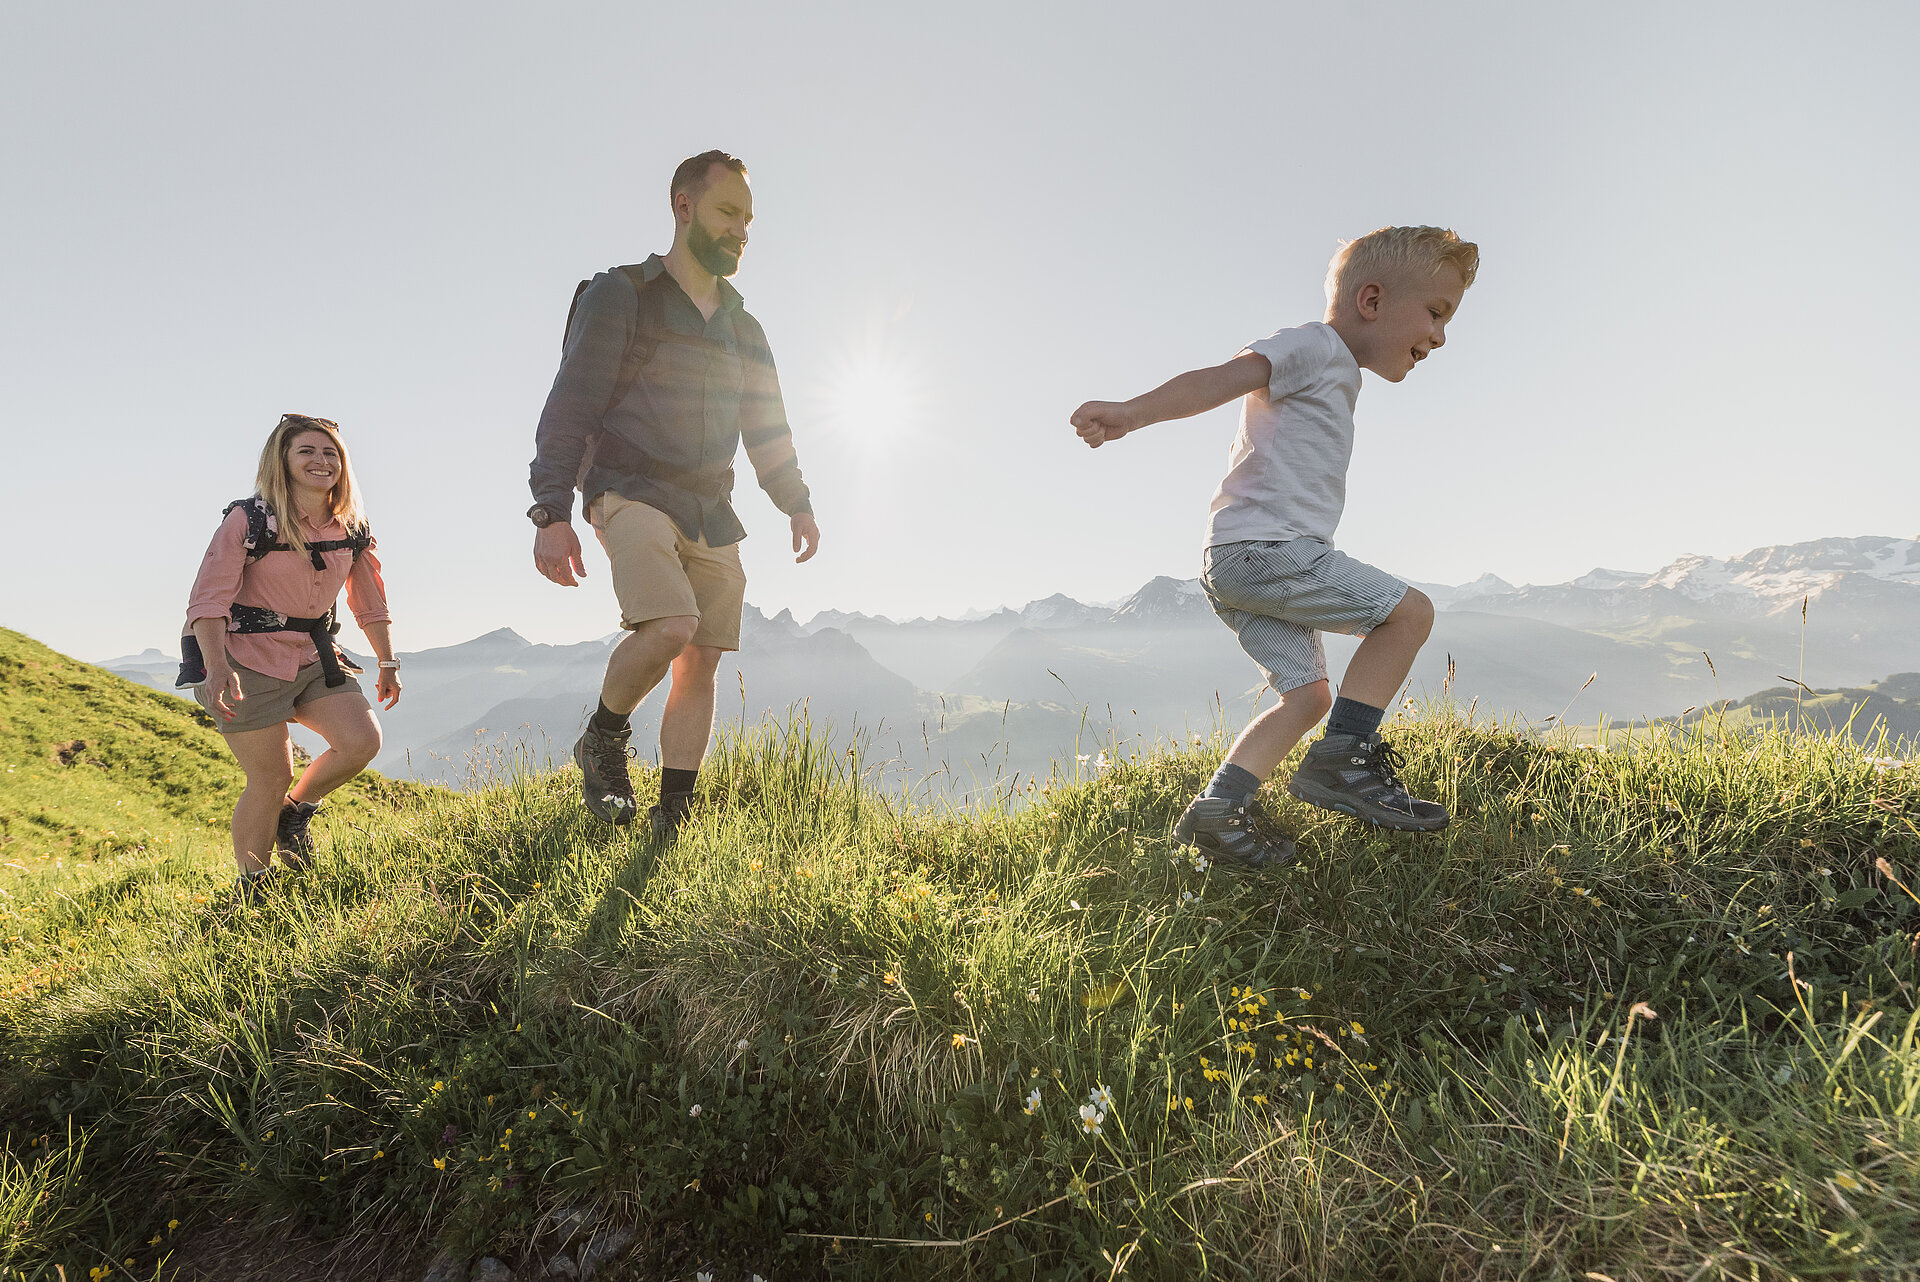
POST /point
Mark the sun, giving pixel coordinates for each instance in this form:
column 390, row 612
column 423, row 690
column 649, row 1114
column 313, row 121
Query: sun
column 872, row 396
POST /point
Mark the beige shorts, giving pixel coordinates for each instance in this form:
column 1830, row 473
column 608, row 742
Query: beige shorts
column 659, row 573
column 268, row 701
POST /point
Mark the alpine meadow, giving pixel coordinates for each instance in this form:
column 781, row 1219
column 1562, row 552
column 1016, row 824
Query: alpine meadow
column 1646, row 1009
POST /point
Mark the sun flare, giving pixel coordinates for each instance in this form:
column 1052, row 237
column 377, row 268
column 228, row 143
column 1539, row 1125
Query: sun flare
column 870, row 396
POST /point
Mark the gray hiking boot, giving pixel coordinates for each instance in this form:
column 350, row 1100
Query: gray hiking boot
column 604, row 783
column 248, row 888
column 1231, row 833
column 292, row 836
column 663, row 822
column 1357, row 776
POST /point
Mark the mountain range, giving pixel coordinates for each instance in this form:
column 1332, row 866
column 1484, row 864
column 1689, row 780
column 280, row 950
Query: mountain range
column 964, row 704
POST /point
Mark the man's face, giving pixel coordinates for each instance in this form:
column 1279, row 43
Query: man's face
column 1412, row 321
column 717, row 232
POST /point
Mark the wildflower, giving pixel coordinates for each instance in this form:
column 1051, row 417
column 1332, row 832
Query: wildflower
column 959, row 1040
column 889, row 978
column 1101, row 764
column 379, row 1154
column 1033, row 1102
column 1102, row 1098
column 1358, row 1030
column 741, row 1045
column 439, row 1163
column 694, row 1111
column 1090, row 1118
column 1033, row 995
column 172, row 1225
column 1305, row 996
column 702, row 1275
column 531, row 1115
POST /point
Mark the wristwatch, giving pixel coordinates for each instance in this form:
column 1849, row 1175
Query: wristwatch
column 542, row 516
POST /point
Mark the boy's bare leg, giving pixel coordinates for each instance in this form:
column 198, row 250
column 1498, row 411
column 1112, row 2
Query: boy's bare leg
column 1350, row 770
column 1380, row 666
column 1269, row 737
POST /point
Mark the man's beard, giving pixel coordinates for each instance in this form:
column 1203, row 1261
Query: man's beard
column 722, row 258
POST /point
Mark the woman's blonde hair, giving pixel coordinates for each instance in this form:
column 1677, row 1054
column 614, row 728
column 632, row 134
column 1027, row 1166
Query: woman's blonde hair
column 1396, row 253
column 274, row 482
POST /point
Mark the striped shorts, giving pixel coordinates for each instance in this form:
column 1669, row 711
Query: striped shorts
column 1279, row 597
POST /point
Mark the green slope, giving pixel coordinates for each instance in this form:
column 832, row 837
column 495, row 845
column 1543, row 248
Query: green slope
column 1638, row 1013
column 102, row 779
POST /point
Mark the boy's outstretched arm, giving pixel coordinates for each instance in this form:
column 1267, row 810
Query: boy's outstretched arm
column 1183, row 396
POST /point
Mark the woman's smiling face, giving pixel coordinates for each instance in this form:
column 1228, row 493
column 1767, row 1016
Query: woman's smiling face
column 313, row 462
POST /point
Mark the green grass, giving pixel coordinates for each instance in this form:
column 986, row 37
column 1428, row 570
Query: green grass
column 1403, row 1058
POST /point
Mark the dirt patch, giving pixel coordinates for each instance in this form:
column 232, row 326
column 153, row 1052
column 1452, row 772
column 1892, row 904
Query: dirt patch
column 229, row 1251
column 64, row 753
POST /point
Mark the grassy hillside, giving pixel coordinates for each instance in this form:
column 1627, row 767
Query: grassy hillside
column 1642, row 1012
column 1889, row 709
column 104, row 779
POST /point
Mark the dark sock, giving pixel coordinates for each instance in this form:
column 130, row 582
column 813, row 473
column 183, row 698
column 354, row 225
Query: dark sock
column 676, row 787
column 609, row 721
column 1350, row 716
column 1232, row 782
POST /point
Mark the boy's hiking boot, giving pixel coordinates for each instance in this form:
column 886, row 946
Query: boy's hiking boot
column 1231, row 833
column 291, row 835
column 604, row 783
column 1356, row 776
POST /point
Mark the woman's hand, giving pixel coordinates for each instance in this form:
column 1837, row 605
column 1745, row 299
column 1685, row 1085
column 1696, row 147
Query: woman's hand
column 386, row 689
column 223, row 683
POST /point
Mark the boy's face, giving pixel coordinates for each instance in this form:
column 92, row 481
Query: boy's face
column 1407, row 320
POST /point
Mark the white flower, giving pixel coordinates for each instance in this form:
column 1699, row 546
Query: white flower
column 1090, row 1119
column 694, row 1111
column 1102, row 1098
column 1075, row 903
column 1201, row 863
column 1081, row 759
column 1101, row 763
column 741, row 1045
column 1033, row 1101
column 703, row 1275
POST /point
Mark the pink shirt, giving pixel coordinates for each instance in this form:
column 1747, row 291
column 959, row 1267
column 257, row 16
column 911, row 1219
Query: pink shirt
column 286, row 583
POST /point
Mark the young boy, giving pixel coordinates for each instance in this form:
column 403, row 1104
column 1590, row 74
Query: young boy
column 1270, row 570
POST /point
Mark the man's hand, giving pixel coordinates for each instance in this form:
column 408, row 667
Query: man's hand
column 223, row 683
column 556, row 554
column 805, row 531
column 1101, row 421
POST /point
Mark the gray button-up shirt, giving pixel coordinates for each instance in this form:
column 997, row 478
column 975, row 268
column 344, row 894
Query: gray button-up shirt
column 690, row 407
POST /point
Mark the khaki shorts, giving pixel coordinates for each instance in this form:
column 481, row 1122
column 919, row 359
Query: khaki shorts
column 659, row 573
column 268, row 701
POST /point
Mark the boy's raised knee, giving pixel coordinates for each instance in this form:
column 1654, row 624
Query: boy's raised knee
column 1415, row 612
column 1313, row 699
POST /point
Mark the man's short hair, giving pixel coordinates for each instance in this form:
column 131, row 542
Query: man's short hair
column 1398, row 253
column 692, row 174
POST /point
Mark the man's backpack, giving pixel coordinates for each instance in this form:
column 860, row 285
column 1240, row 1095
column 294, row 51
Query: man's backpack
column 650, row 329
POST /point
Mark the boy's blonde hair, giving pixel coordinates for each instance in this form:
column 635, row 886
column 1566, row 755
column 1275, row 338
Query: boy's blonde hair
column 274, row 482
column 1398, row 253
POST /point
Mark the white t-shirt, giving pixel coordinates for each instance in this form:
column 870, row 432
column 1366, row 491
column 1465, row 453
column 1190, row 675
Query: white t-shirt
column 1287, row 471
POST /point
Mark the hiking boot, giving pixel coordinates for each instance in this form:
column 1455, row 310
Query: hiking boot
column 663, row 822
column 291, row 835
column 249, row 887
column 604, row 783
column 1228, row 832
column 1356, row 776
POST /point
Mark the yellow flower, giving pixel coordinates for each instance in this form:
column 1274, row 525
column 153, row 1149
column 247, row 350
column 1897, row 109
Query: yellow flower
column 439, row 1163
column 1357, row 1029
column 889, row 978
column 959, row 1040
column 172, row 1225
column 379, row 1154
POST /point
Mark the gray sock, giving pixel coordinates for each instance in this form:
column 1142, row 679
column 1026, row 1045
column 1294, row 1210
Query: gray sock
column 1233, row 783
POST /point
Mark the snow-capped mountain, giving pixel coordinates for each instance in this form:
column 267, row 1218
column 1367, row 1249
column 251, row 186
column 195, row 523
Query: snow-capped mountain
column 1165, row 600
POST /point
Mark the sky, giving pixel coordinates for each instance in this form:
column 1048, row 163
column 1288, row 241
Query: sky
column 1691, row 331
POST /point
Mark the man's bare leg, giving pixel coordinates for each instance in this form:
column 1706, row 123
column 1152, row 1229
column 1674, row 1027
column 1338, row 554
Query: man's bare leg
column 642, row 658
column 637, row 664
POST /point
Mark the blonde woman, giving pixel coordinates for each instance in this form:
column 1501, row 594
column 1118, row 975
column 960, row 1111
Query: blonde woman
column 259, row 649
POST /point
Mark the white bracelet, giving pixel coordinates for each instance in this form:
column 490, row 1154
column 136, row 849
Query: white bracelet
column 394, row 664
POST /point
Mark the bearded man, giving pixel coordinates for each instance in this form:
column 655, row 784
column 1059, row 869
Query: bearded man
column 663, row 375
